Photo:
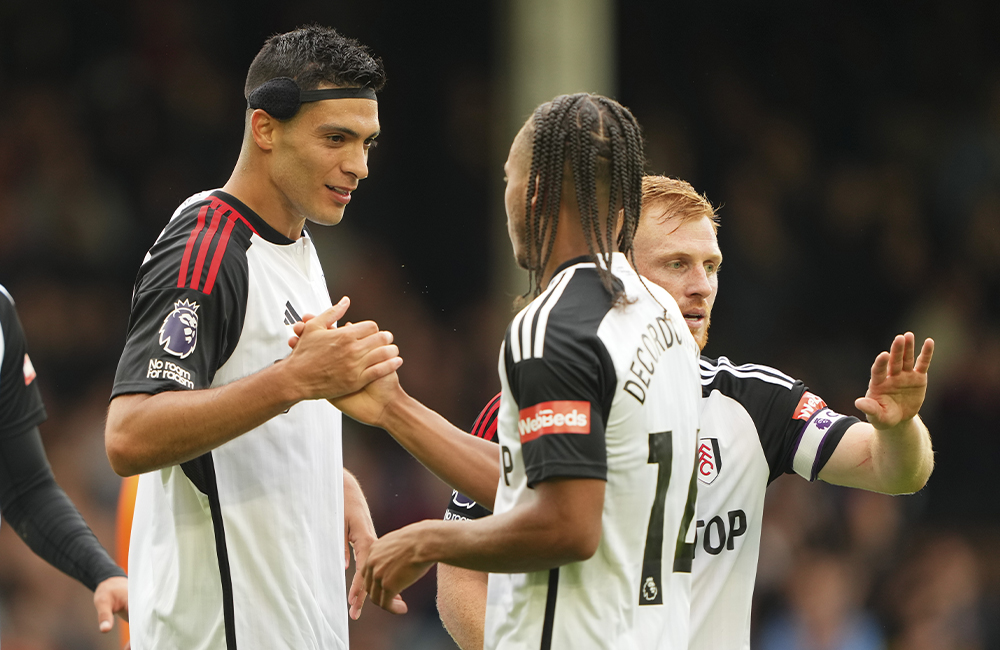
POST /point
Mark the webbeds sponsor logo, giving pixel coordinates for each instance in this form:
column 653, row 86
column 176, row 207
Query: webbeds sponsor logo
column 808, row 405
column 553, row 417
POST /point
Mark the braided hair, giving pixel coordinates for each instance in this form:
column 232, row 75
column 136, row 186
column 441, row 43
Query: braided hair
column 598, row 142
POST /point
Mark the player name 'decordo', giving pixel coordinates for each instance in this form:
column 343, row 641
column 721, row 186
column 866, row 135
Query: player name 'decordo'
column 659, row 337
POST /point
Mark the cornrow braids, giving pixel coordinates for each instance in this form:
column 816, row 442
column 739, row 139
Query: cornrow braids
column 598, row 142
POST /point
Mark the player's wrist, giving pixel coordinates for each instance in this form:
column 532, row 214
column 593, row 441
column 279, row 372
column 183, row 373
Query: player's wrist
column 284, row 385
column 428, row 541
column 398, row 410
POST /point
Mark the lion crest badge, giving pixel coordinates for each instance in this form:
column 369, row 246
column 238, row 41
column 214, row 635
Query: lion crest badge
column 179, row 332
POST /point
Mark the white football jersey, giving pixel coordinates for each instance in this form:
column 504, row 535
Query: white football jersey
column 756, row 424
column 241, row 547
column 595, row 390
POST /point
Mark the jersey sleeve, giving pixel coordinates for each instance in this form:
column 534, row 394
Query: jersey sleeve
column 188, row 306
column 21, row 405
column 798, row 433
column 460, row 506
column 563, row 396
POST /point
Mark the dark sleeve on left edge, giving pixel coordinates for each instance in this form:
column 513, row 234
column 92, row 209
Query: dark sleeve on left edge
column 43, row 516
column 20, row 401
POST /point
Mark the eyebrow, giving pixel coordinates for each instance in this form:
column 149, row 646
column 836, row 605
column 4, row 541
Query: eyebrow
column 345, row 130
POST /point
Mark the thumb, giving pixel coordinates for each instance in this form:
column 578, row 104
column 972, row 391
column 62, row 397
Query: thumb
column 333, row 314
column 867, row 405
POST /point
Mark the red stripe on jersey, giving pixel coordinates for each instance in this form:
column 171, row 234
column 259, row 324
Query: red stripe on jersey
column 220, row 250
column 216, row 201
column 486, row 424
column 190, row 246
column 206, row 242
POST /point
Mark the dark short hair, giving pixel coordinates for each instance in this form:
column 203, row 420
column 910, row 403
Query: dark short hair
column 313, row 55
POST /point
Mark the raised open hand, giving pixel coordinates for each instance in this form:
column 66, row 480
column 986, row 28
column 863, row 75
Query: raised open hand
column 898, row 383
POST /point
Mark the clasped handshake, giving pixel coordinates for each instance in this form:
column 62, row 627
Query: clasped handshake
column 353, row 365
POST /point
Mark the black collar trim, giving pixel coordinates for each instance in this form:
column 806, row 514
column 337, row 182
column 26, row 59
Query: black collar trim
column 259, row 226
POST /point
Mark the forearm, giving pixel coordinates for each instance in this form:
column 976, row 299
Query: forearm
column 357, row 516
column 902, row 457
column 896, row 460
column 559, row 524
column 461, row 602
column 468, row 464
column 354, row 498
column 43, row 516
column 147, row 432
column 507, row 543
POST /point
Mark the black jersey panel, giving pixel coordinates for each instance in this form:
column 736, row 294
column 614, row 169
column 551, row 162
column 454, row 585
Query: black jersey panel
column 460, row 506
column 189, row 302
column 771, row 398
column 21, row 405
column 573, row 377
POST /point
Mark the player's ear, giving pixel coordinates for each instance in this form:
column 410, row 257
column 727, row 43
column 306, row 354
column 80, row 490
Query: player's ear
column 262, row 129
column 534, row 198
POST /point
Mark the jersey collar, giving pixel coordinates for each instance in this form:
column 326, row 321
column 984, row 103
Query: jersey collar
column 259, row 225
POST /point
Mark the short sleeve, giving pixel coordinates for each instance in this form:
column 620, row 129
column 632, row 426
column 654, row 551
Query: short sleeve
column 188, row 306
column 560, row 421
column 20, row 400
column 798, row 433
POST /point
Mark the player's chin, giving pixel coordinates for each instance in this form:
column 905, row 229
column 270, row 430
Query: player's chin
column 330, row 215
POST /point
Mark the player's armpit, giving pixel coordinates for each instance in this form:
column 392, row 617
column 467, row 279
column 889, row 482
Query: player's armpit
column 461, row 602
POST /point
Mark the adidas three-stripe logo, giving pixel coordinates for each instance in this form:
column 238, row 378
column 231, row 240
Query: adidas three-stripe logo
column 205, row 238
column 291, row 316
column 527, row 332
column 745, row 371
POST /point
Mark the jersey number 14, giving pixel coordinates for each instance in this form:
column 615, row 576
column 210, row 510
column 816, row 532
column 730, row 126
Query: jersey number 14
column 661, row 453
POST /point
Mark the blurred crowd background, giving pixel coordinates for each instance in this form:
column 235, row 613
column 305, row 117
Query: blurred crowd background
column 853, row 149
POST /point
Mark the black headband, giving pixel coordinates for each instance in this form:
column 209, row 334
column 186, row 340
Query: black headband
column 281, row 96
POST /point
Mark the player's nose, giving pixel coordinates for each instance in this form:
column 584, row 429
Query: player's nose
column 699, row 284
column 356, row 164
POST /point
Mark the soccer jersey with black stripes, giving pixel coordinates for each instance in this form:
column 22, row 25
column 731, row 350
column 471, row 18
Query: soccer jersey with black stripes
column 609, row 392
column 239, row 547
column 756, row 424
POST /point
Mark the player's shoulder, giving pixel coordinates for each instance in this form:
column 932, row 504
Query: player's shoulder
column 205, row 241
column 565, row 316
column 6, row 300
column 742, row 382
column 485, row 425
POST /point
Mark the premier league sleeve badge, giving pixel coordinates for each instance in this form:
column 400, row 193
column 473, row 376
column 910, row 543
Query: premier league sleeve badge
column 179, row 332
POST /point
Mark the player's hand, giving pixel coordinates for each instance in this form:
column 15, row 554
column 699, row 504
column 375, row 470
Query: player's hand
column 369, row 404
column 110, row 598
column 331, row 361
column 359, row 534
column 391, row 567
column 898, row 383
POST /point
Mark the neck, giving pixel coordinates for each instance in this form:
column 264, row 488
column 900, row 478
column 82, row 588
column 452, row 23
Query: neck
column 570, row 242
column 251, row 184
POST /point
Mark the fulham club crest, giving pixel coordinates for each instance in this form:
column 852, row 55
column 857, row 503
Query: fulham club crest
column 179, row 332
column 709, row 460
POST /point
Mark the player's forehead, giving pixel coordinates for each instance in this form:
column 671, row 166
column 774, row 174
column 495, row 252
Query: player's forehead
column 667, row 233
column 356, row 114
